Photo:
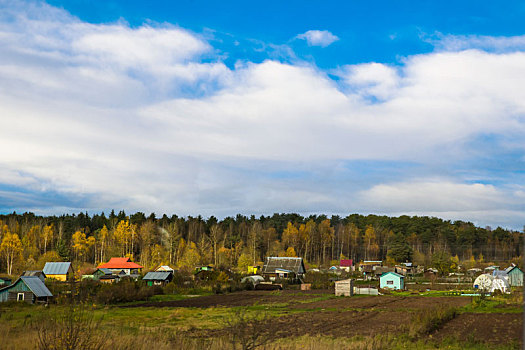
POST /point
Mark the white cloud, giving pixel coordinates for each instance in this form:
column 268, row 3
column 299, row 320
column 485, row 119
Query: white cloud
column 321, row 38
column 482, row 42
column 133, row 118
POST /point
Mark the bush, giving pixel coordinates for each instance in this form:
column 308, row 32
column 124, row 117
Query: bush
column 124, row 291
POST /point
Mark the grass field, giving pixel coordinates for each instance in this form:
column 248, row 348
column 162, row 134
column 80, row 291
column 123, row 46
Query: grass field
column 282, row 320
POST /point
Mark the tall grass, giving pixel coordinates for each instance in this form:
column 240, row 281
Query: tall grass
column 425, row 322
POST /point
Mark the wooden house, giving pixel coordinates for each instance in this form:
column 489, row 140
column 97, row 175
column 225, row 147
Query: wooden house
column 29, row 289
column 515, row 276
column 284, row 267
column 158, row 278
column 116, row 265
column 60, row 271
column 392, row 280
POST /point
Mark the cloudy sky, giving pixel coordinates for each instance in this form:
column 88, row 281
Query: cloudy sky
column 219, row 108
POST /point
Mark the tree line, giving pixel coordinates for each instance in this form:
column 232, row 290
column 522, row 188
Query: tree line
column 29, row 240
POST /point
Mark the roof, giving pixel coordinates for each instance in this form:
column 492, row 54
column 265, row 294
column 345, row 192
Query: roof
column 346, row 262
column 254, row 279
column 106, row 271
column 392, row 273
column 510, row 268
column 36, row 285
column 500, row 273
column 57, row 268
column 33, row 273
column 295, row 265
column 164, row 268
column 157, row 276
column 120, row 263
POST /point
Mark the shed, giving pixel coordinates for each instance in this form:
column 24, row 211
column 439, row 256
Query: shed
column 515, row 276
column 38, row 273
column 284, row 267
column 30, row 289
column 60, row 271
column 392, row 280
column 344, row 288
column 158, row 278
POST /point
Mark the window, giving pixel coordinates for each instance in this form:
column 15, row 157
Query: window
column 20, row 297
column 389, row 282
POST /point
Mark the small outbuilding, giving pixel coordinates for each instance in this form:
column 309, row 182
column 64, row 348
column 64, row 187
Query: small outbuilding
column 346, row 264
column 515, row 276
column 29, row 289
column 392, row 280
column 344, row 288
column 60, row 271
column 158, row 278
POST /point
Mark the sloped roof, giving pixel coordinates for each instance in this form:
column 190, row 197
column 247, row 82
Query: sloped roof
column 33, row 273
column 164, row 268
column 120, row 263
column 293, row 264
column 346, row 262
column 37, row 286
column 157, row 276
column 106, row 271
column 57, row 268
column 392, row 273
column 510, row 268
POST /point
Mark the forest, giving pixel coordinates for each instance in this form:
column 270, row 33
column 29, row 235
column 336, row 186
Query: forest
column 28, row 240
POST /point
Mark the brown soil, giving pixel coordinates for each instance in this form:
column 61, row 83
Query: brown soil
column 385, row 302
column 240, row 299
column 493, row 328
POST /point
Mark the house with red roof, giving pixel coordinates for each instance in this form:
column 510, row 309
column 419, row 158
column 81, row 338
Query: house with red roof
column 117, row 265
column 347, row 265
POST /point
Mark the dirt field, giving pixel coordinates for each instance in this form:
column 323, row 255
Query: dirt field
column 319, row 313
column 491, row 328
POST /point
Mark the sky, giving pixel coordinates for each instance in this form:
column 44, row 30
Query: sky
column 218, row 108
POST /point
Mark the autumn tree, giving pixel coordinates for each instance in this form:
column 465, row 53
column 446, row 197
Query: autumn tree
column 215, row 236
column 327, row 235
column 11, row 248
column 47, row 236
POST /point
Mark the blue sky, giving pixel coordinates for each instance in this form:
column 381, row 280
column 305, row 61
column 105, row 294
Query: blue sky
column 215, row 108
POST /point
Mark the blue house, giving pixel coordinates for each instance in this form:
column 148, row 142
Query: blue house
column 515, row 276
column 392, row 280
column 29, row 289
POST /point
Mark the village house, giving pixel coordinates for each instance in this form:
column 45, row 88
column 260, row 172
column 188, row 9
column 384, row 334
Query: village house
column 283, row 267
column 158, row 278
column 29, row 289
column 117, row 265
column 60, row 271
column 346, row 264
column 392, row 280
